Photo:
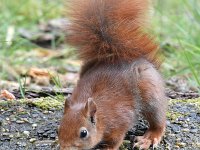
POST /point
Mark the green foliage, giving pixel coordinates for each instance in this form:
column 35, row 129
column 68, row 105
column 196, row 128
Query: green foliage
column 45, row 103
column 22, row 87
column 28, row 12
column 178, row 25
column 24, row 13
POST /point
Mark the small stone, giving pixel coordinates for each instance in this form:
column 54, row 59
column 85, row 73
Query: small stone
column 188, row 119
column 181, row 144
column 45, row 134
column 3, row 130
column 5, row 138
column 176, row 146
column 11, row 136
column 18, row 135
column 7, row 130
column 45, row 112
column 13, row 119
column 44, row 142
column 181, row 119
column 176, row 129
column 168, row 123
column 193, row 130
column 171, row 134
column 40, row 131
column 178, row 139
column 185, row 125
column 25, row 120
column 5, row 134
column 32, row 140
column 34, row 125
column 19, row 121
column 35, row 115
column 23, row 144
column 53, row 136
column 47, row 128
column 198, row 144
column 193, row 115
column 185, row 130
column 27, row 133
column 50, row 112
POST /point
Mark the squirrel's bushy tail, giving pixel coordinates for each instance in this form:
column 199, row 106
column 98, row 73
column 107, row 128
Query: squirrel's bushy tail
column 109, row 30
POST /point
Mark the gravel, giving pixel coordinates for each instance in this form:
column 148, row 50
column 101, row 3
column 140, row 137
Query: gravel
column 23, row 126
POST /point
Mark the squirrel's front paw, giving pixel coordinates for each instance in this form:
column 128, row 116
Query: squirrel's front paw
column 148, row 139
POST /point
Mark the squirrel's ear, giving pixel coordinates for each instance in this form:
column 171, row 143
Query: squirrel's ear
column 90, row 108
column 67, row 104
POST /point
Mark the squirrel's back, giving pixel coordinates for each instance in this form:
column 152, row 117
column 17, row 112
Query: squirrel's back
column 111, row 30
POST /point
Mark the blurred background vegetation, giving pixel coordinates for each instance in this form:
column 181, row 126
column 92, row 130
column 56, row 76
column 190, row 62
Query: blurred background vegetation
column 176, row 25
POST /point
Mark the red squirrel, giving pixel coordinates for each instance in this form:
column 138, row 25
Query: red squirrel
column 118, row 78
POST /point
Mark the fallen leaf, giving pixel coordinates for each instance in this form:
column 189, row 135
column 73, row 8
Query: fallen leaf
column 7, row 95
column 34, row 72
column 41, row 52
column 40, row 76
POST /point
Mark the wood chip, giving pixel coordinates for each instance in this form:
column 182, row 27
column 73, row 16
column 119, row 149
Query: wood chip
column 7, row 95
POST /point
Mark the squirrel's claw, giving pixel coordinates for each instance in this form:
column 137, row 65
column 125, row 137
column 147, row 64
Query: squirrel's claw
column 155, row 143
column 143, row 143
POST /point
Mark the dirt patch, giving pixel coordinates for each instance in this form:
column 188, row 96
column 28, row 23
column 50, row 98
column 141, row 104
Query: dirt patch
column 25, row 125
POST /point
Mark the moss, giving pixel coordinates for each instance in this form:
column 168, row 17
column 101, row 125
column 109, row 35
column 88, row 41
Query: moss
column 173, row 115
column 125, row 145
column 43, row 102
column 48, row 103
column 187, row 101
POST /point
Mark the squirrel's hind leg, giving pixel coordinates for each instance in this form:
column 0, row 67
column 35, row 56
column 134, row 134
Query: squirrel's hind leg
column 153, row 104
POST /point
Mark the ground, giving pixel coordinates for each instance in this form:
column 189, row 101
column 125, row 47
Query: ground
column 33, row 123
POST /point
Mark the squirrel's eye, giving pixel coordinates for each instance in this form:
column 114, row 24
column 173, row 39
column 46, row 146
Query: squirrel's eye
column 83, row 133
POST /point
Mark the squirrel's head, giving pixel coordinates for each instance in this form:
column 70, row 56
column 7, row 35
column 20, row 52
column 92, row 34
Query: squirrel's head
column 78, row 126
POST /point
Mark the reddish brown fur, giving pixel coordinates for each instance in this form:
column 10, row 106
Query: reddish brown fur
column 108, row 105
column 110, row 30
column 118, row 77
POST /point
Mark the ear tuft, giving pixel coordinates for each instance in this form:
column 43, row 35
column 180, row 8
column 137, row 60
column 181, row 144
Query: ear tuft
column 90, row 108
column 67, row 105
